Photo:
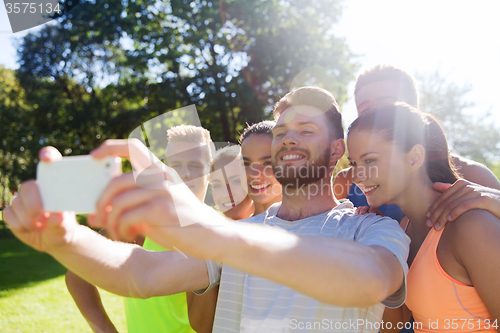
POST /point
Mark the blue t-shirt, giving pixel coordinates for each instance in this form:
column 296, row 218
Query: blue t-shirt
column 358, row 199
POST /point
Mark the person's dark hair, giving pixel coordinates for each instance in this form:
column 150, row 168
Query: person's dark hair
column 319, row 98
column 263, row 127
column 405, row 126
column 404, row 83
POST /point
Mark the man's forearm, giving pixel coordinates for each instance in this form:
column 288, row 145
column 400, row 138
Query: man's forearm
column 99, row 261
column 335, row 271
column 127, row 269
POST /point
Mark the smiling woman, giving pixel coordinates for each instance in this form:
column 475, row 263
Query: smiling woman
column 397, row 153
column 263, row 188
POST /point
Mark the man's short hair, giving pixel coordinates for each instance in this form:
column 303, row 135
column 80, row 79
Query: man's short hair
column 191, row 134
column 319, row 98
column 408, row 90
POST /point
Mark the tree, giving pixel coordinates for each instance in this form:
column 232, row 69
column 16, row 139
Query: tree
column 17, row 135
column 474, row 138
column 232, row 59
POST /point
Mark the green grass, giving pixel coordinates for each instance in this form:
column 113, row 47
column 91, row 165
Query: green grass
column 34, row 298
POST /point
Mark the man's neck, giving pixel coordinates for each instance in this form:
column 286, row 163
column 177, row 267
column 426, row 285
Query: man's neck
column 306, row 201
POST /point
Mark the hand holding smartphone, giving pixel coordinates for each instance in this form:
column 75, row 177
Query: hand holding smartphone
column 75, row 183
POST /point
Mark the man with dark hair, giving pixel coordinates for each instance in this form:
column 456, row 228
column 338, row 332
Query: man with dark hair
column 384, row 84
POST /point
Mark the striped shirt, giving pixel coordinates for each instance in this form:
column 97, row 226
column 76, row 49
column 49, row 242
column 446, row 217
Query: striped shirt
column 248, row 303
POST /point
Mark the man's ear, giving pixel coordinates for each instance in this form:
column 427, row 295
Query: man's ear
column 337, row 150
column 416, row 156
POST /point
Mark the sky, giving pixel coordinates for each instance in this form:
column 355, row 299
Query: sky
column 457, row 37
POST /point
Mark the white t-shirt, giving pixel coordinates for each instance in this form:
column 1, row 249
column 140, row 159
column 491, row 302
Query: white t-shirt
column 248, row 303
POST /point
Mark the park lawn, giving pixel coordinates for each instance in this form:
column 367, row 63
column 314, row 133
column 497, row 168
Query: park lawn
column 34, row 298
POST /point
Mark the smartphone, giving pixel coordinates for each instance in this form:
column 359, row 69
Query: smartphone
column 75, row 183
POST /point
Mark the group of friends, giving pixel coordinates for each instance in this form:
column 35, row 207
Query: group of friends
column 408, row 231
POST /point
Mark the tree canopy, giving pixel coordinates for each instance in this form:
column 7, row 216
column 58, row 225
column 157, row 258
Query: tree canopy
column 18, row 133
column 232, row 59
column 103, row 68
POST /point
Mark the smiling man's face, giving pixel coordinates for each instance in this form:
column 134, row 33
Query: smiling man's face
column 301, row 146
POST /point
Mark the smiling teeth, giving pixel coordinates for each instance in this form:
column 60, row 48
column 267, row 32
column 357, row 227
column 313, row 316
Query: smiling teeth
column 258, row 187
column 368, row 189
column 290, row 157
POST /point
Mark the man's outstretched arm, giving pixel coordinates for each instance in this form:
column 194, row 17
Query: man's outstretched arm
column 124, row 269
column 336, row 271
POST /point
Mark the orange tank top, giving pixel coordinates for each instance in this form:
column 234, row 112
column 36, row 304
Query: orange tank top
column 439, row 302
